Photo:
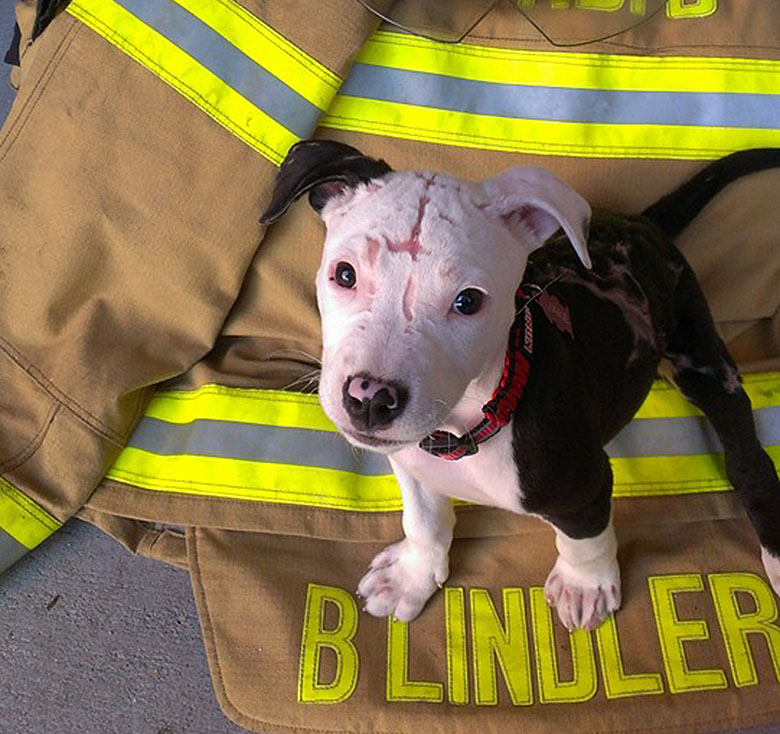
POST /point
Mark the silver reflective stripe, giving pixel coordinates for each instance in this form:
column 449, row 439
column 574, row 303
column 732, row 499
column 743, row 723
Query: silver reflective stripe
column 710, row 109
column 328, row 450
column 684, row 436
column 223, row 59
column 252, row 442
column 11, row 550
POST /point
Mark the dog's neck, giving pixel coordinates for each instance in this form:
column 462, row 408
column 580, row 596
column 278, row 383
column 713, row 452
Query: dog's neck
column 467, row 412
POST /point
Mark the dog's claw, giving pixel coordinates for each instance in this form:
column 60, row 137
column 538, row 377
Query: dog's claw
column 583, row 602
column 401, row 579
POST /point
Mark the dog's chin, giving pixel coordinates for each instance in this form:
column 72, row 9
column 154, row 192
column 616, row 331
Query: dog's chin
column 375, row 443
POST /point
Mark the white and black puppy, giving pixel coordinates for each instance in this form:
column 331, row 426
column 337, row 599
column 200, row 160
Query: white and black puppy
column 481, row 391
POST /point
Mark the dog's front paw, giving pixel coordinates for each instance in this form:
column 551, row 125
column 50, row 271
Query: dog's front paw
column 402, row 578
column 583, row 596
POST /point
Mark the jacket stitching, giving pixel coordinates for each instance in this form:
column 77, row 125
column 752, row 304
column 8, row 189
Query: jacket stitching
column 208, row 629
column 33, row 445
column 55, row 393
column 31, row 509
column 371, row 125
column 302, row 59
column 7, row 142
column 112, row 36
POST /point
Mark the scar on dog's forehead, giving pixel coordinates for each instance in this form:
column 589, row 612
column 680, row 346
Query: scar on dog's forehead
column 373, row 248
column 410, row 293
column 426, row 201
column 406, row 217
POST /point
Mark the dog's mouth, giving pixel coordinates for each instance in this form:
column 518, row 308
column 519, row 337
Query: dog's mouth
column 374, row 442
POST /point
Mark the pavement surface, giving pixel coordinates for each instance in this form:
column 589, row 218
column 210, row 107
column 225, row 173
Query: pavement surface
column 95, row 640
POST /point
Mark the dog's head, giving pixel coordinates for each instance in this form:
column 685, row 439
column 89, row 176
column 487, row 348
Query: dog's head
column 417, row 282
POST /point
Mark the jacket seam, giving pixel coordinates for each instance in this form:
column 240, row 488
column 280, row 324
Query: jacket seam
column 140, row 406
column 643, row 50
column 359, row 124
column 113, row 37
column 8, row 140
column 33, row 445
column 59, row 396
column 32, row 508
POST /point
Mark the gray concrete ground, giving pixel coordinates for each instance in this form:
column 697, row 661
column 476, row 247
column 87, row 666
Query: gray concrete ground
column 97, row 641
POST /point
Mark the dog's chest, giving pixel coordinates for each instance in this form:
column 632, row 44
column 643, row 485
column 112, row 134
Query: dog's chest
column 489, row 477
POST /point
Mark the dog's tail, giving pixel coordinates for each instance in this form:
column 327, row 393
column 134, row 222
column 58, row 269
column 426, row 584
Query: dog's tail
column 675, row 211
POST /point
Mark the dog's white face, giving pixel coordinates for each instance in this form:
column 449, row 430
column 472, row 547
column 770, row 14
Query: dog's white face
column 416, row 290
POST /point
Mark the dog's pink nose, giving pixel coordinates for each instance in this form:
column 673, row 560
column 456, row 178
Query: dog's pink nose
column 372, row 403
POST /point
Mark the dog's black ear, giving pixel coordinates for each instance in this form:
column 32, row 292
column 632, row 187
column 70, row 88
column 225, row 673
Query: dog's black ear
column 325, row 169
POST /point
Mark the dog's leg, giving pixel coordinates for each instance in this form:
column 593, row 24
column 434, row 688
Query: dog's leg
column 707, row 376
column 584, row 584
column 405, row 575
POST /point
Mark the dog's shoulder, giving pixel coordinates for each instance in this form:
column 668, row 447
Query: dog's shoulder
column 589, row 377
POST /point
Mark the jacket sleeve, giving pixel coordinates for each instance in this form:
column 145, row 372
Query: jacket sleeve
column 134, row 164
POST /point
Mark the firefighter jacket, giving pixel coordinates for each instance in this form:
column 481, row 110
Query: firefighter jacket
column 157, row 345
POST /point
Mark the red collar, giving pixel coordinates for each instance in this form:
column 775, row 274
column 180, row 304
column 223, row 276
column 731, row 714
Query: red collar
column 517, row 366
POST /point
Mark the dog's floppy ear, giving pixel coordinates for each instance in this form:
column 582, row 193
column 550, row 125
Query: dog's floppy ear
column 325, row 169
column 534, row 203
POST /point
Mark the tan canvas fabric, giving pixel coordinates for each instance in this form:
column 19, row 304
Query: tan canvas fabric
column 289, row 649
column 25, row 20
column 117, row 272
column 131, row 258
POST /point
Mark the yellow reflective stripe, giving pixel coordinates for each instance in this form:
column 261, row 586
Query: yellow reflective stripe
column 298, row 410
column 559, row 103
column 276, row 476
column 187, row 76
column 652, row 476
column 516, row 135
column 646, row 476
column 268, row 48
column 230, row 64
column 240, row 405
column 665, row 401
column 259, row 481
column 656, row 476
column 571, row 69
column 23, row 519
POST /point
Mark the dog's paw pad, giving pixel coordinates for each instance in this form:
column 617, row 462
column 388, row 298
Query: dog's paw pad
column 772, row 568
column 401, row 579
column 583, row 600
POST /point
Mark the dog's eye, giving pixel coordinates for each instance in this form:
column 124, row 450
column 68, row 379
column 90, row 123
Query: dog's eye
column 468, row 302
column 345, row 275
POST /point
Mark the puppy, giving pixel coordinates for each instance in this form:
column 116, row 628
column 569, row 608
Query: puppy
column 504, row 396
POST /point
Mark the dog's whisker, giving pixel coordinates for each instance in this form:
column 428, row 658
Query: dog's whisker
column 446, row 406
column 304, row 379
column 308, row 355
column 307, row 380
column 309, row 388
column 357, row 453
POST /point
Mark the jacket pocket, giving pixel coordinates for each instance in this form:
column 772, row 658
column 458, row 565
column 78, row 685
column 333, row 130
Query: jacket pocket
column 27, row 411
